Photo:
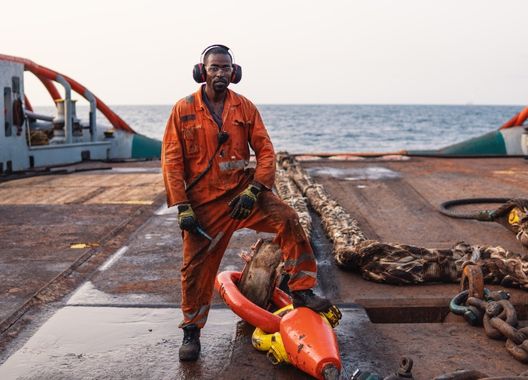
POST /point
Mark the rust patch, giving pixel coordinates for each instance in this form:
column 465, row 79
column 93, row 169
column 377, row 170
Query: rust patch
column 92, row 188
column 300, row 347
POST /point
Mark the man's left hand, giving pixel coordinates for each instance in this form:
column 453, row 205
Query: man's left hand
column 243, row 203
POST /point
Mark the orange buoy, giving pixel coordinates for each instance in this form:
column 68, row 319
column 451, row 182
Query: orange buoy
column 307, row 339
column 310, row 341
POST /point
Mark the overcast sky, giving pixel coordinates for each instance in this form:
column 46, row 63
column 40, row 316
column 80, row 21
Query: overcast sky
column 366, row 52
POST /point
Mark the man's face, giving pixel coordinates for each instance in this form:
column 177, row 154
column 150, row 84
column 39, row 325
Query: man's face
column 218, row 68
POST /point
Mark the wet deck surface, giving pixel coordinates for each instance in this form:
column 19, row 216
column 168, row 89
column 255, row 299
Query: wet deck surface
column 116, row 314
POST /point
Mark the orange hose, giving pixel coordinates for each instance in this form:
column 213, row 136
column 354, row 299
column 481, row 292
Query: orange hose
column 52, row 90
column 225, row 284
column 517, row 120
column 29, row 107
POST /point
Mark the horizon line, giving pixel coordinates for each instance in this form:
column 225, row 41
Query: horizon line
column 321, row 104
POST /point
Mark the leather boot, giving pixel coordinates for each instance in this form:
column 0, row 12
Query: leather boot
column 308, row 299
column 190, row 348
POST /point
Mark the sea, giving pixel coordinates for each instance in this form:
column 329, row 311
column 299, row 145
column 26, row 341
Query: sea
column 344, row 128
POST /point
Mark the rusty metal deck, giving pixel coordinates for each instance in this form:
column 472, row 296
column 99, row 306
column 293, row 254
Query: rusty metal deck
column 111, row 311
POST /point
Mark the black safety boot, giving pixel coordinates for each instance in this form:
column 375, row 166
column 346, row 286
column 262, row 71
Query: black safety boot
column 307, row 298
column 190, row 348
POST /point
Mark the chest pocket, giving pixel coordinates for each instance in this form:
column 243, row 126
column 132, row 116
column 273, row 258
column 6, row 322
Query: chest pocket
column 193, row 137
column 240, row 134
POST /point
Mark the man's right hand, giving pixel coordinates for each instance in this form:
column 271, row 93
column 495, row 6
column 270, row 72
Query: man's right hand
column 187, row 218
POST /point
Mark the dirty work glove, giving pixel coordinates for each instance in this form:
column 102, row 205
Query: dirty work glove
column 187, row 218
column 243, row 203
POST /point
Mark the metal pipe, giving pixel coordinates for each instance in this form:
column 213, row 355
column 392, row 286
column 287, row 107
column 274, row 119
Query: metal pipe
column 68, row 115
column 93, row 113
column 37, row 116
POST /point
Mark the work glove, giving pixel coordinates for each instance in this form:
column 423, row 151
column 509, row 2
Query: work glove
column 243, row 203
column 187, row 218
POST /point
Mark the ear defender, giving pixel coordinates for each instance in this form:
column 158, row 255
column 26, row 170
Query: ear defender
column 236, row 75
column 199, row 74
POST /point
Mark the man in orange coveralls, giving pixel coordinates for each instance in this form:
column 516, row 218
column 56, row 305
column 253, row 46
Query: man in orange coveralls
column 204, row 158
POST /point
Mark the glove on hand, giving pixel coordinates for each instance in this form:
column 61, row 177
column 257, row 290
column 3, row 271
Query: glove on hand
column 187, row 218
column 243, row 203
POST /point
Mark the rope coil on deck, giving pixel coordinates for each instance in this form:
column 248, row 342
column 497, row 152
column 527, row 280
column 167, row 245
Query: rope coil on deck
column 400, row 263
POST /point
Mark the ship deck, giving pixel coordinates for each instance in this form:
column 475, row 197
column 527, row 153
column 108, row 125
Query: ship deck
column 110, row 309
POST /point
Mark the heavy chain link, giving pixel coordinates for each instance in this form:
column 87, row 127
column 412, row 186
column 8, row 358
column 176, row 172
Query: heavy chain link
column 494, row 311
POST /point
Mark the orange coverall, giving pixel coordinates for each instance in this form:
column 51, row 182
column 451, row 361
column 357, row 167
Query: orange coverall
column 189, row 142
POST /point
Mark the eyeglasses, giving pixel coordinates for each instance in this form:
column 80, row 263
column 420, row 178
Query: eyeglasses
column 215, row 69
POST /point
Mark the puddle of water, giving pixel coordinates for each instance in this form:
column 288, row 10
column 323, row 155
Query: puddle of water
column 112, row 259
column 119, row 343
column 169, row 222
column 372, row 173
column 150, row 236
column 88, row 294
column 164, row 210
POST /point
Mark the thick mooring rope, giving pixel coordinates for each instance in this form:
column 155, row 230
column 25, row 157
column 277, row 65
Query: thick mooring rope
column 292, row 196
column 398, row 263
column 339, row 226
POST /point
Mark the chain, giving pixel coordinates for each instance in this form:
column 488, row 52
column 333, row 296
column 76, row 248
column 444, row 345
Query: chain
column 495, row 312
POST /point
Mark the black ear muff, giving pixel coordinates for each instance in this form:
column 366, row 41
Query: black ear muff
column 236, row 75
column 199, row 73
